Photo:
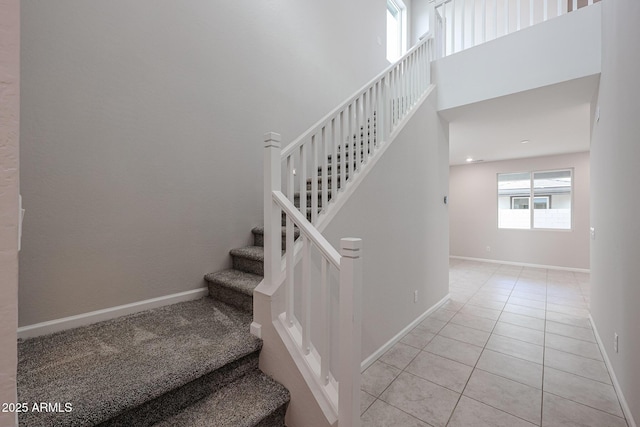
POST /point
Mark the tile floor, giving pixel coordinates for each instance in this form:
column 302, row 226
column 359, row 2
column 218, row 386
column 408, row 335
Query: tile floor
column 513, row 347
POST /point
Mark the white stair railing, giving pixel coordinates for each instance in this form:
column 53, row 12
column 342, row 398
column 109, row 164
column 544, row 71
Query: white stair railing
column 461, row 24
column 330, row 154
column 343, row 143
column 342, row 388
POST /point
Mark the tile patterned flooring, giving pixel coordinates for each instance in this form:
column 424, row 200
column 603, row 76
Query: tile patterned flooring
column 512, row 347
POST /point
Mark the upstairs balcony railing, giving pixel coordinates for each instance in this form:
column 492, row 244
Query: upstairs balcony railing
column 461, row 24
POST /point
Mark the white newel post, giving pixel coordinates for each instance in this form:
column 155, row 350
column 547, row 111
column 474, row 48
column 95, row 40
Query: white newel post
column 350, row 332
column 272, row 212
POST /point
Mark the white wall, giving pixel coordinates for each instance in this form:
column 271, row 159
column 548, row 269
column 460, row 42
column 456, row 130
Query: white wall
column 9, row 188
column 399, row 213
column 558, row 50
column 473, row 215
column 419, row 19
column 142, row 133
column 615, row 153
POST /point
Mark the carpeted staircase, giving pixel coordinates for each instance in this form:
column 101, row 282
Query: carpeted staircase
column 190, row 364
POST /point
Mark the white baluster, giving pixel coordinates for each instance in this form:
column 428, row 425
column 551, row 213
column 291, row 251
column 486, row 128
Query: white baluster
column 344, row 131
column 387, row 97
column 334, row 159
column 495, row 19
column 272, row 212
column 559, row 4
column 359, row 131
column 484, row 21
column 531, row 12
column 314, row 183
column 303, row 179
column 506, row 17
column 350, row 332
column 353, row 138
column 473, row 23
column 518, row 14
column 325, row 322
column 365, row 126
column 368, row 120
column 445, row 25
column 430, row 54
column 306, row 295
column 545, row 10
column 575, row 6
column 324, row 155
column 462, row 24
column 405, row 86
column 289, row 297
column 453, row 26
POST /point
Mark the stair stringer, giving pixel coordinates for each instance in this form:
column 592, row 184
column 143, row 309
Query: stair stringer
column 325, row 217
column 280, row 356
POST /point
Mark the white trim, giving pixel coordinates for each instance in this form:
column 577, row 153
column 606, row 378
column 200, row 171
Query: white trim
column 379, row 352
column 256, row 329
column 616, row 385
column 84, row 319
column 523, row 264
column 325, row 396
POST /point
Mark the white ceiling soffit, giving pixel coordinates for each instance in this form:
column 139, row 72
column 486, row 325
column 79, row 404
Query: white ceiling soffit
column 554, row 119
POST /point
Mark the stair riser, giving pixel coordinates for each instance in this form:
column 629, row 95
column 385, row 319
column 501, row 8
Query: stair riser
column 276, row 419
column 258, row 240
column 177, row 400
column 231, row 297
column 248, row 265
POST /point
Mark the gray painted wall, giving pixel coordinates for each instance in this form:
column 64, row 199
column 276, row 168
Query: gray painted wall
column 9, row 188
column 399, row 214
column 615, row 153
column 473, row 210
column 142, row 133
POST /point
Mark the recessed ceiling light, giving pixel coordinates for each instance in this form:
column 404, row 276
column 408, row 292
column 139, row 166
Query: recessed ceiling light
column 469, row 159
column 524, row 141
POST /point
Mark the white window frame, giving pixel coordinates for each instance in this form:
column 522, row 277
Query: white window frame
column 532, row 175
column 401, row 10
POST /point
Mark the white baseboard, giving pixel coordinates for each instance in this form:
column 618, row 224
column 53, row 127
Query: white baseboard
column 84, row 319
column 379, row 352
column 616, row 385
column 523, row 264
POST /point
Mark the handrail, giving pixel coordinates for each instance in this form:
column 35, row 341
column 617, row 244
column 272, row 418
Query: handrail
column 307, row 229
column 288, row 149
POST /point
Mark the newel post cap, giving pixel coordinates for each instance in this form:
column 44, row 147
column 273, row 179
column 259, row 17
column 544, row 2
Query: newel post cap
column 272, row 139
column 350, row 247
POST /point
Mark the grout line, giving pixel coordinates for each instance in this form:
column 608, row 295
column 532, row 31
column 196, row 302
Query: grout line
column 544, row 352
column 482, row 351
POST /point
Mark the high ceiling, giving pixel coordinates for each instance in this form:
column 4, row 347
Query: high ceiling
column 553, row 119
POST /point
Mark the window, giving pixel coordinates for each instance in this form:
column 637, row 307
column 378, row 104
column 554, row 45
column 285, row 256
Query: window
column 551, row 191
column 396, row 34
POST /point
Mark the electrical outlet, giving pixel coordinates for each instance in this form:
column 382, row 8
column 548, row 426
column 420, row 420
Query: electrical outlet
column 615, row 342
column 415, row 296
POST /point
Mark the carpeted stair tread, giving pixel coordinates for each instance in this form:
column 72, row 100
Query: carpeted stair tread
column 108, row 368
column 254, row 253
column 236, row 280
column 249, row 401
